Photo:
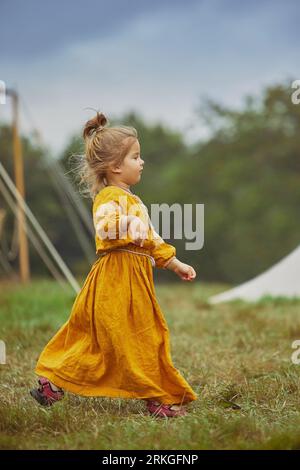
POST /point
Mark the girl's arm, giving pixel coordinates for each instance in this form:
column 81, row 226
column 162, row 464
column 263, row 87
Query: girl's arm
column 184, row 271
column 165, row 257
column 137, row 230
column 125, row 221
column 111, row 220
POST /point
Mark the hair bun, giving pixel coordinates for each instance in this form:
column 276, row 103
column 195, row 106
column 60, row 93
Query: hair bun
column 95, row 124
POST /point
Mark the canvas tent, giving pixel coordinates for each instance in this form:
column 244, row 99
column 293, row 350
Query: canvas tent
column 281, row 280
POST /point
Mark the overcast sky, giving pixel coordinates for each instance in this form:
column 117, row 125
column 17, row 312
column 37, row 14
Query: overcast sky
column 158, row 58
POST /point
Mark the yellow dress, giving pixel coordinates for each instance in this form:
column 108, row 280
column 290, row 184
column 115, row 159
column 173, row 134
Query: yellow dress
column 116, row 340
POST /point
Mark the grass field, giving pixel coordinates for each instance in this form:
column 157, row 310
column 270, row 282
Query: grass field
column 236, row 356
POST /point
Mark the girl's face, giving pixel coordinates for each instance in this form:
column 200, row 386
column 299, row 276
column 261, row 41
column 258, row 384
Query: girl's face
column 132, row 165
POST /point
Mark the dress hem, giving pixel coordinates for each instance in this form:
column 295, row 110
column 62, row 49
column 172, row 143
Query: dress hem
column 109, row 392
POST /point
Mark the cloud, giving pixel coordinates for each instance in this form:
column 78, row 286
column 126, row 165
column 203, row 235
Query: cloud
column 160, row 63
column 33, row 28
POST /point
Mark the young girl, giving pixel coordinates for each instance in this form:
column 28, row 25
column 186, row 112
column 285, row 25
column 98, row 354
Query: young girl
column 116, row 340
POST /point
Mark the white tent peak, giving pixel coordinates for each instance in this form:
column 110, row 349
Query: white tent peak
column 281, row 280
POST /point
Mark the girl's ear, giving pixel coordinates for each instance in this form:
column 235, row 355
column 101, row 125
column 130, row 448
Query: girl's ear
column 115, row 169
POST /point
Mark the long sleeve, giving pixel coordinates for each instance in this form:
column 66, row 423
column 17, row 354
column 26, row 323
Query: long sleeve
column 107, row 220
column 111, row 210
column 162, row 252
column 110, row 220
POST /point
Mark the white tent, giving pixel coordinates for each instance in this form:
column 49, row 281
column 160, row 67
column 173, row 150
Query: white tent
column 281, row 280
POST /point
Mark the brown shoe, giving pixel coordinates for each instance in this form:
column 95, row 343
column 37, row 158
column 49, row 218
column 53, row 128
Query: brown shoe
column 164, row 411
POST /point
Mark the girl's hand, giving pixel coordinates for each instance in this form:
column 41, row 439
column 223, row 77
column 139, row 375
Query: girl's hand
column 138, row 231
column 184, row 271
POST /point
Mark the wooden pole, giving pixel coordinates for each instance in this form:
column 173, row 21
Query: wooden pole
column 19, row 180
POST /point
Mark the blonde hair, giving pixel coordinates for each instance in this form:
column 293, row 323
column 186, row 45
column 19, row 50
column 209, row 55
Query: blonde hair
column 104, row 146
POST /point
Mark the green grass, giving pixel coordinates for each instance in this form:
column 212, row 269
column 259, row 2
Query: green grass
column 236, row 356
